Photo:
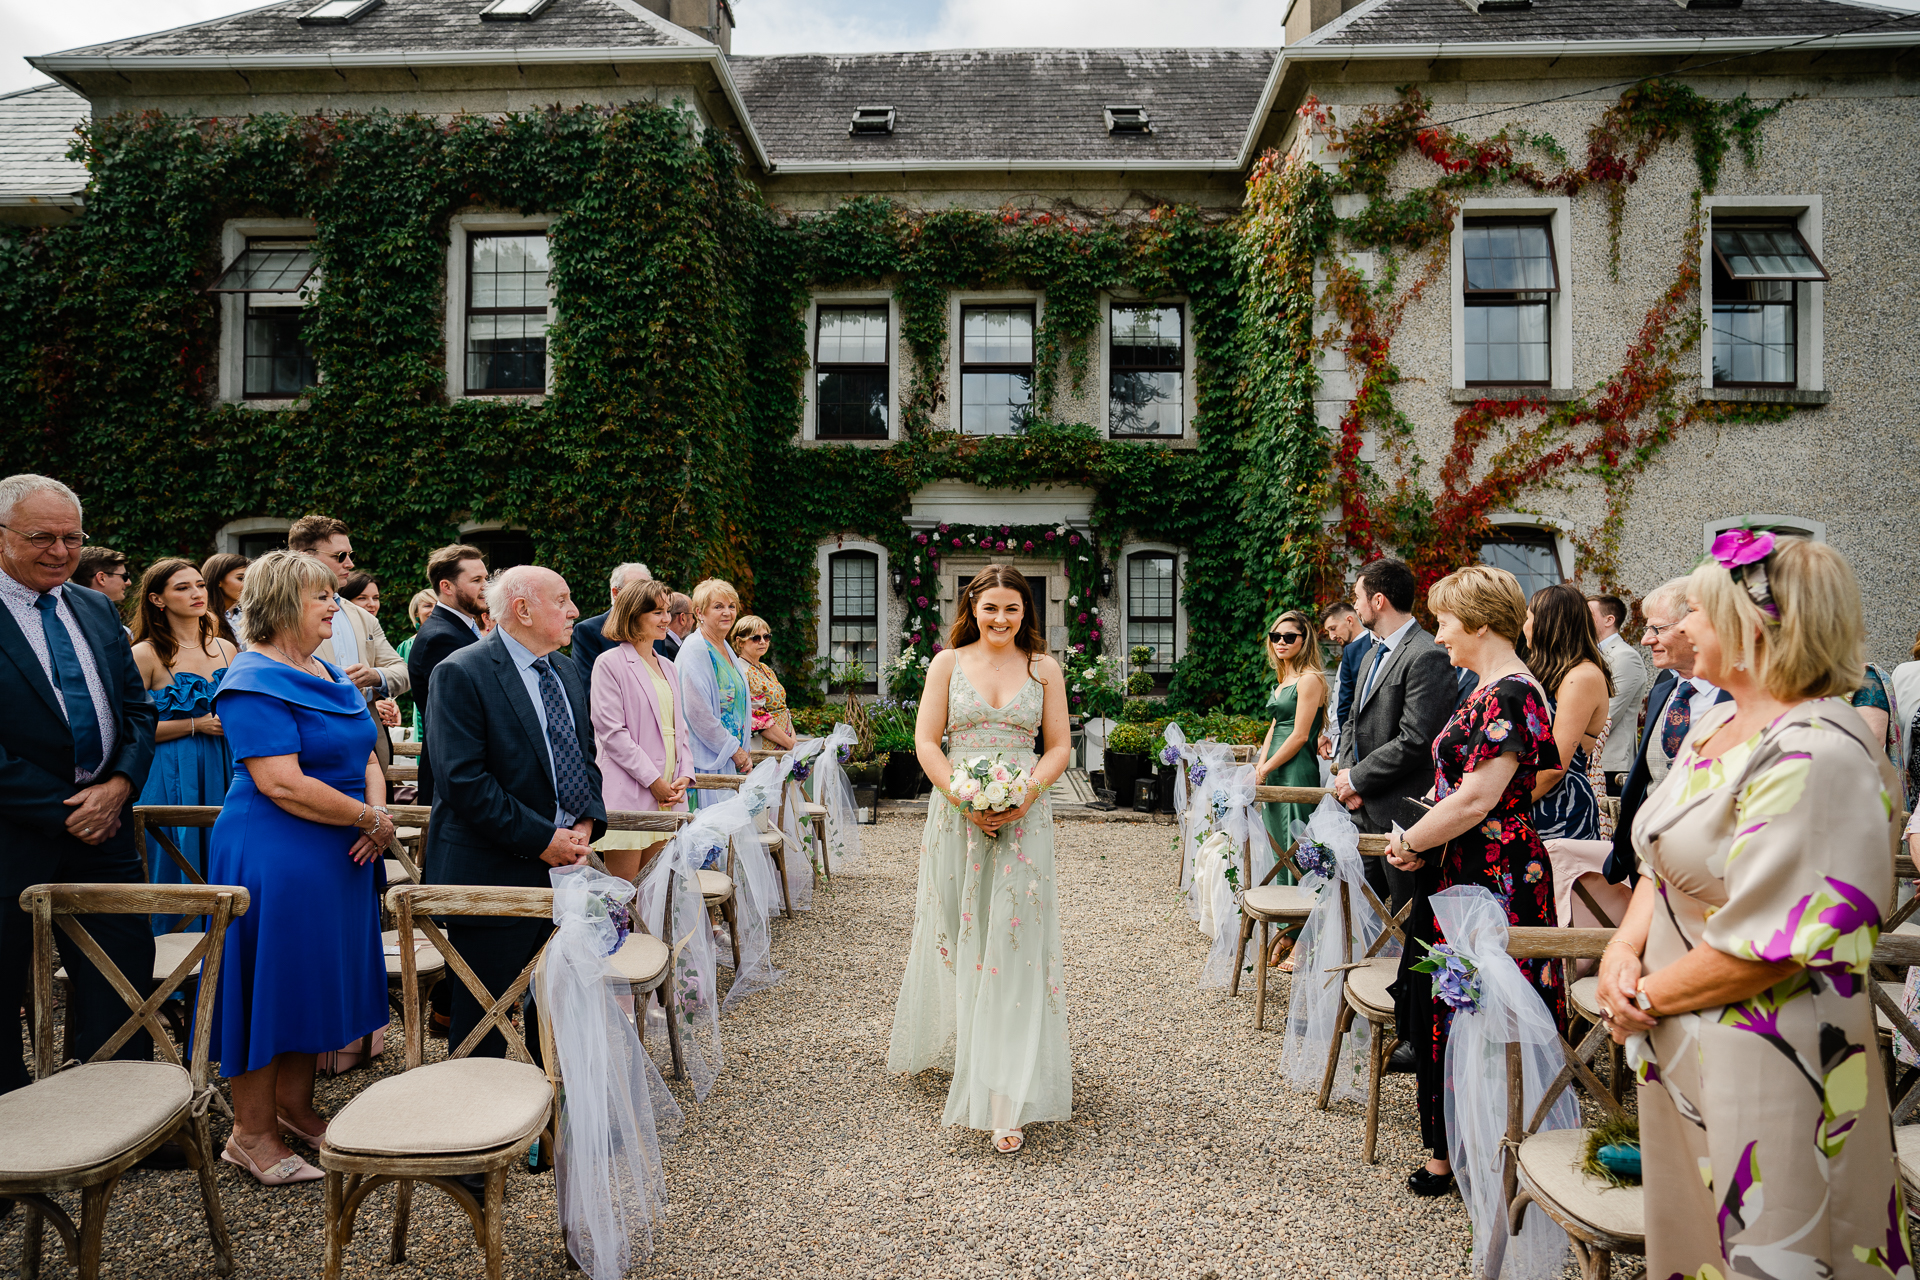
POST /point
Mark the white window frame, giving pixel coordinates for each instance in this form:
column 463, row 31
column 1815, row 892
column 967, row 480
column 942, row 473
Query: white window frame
column 1189, row 401
column 1181, row 634
column 1562, row 544
column 1558, row 211
column 460, row 230
column 890, row 643
column 1816, row 530
column 1810, row 371
column 985, row 298
column 234, row 234
column 228, row 538
column 809, row 424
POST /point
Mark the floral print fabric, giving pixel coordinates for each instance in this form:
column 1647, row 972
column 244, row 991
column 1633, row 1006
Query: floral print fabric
column 1767, row 1148
column 984, row 993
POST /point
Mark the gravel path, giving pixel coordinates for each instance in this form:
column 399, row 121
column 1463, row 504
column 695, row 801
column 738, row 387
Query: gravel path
column 1185, row 1158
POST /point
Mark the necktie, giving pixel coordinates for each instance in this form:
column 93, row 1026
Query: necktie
column 1373, row 673
column 569, row 765
column 82, row 721
column 1679, row 719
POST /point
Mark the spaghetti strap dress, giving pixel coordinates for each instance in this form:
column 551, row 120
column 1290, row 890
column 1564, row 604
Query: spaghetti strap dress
column 193, row 770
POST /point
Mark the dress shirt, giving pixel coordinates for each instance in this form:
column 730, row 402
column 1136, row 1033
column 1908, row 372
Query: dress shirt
column 1387, row 644
column 346, row 646
column 20, row 603
column 1701, row 698
column 523, row 660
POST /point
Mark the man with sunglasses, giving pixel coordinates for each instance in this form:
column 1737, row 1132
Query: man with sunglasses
column 358, row 646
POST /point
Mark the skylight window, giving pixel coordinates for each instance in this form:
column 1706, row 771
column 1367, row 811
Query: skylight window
column 336, row 12
column 1128, row 120
column 878, row 120
column 514, row 10
column 1497, row 6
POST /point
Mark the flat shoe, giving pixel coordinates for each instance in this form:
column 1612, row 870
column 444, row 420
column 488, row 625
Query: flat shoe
column 314, row 1140
column 285, row 1171
column 1422, row 1183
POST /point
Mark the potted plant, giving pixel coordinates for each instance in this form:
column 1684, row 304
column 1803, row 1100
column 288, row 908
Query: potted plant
column 1139, row 679
column 893, row 725
column 1127, row 759
column 864, row 763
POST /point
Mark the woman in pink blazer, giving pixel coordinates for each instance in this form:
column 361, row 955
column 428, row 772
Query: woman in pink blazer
column 639, row 725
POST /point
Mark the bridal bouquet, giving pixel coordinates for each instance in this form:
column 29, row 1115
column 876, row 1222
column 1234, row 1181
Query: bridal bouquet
column 987, row 785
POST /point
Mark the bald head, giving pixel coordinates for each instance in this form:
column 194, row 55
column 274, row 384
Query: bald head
column 534, row 605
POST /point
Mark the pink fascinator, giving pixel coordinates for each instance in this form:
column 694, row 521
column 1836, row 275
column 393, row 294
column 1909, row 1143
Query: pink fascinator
column 1743, row 553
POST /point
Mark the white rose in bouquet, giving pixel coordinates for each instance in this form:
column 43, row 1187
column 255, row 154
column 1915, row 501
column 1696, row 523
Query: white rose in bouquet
column 996, row 793
column 981, row 803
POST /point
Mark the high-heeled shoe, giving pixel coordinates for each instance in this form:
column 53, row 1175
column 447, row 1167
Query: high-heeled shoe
column 314, row 1140
column 1003, row 1136
column 284, row 1172
column 1422, row 1183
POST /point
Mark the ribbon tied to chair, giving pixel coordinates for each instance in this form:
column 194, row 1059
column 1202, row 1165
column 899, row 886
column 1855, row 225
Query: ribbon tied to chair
column 1224, row 819
column 1324, row 950
column 756, row 892
column 1194, row 765
column 834, row 792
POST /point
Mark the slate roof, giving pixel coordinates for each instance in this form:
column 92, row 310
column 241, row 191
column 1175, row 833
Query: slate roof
column 1388, row 22
column 1025, row 106
column 36, row 128
column 405, row 26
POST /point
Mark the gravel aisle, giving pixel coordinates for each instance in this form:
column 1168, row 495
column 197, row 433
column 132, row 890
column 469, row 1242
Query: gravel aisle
column 1184, row 1157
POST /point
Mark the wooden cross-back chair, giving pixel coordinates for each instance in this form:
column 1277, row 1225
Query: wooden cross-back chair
column 774, row 842
column 1542, row 1170
column 408, row 748
column 644, row 961
column 434, row 1123
column 1266, row 904
column 1895, row 952
column 151, row 822
column 80, row 1128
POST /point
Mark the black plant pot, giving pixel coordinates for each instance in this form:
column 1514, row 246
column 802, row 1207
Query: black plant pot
column 903, row 775
column 1163, row 788
column 1122, row 770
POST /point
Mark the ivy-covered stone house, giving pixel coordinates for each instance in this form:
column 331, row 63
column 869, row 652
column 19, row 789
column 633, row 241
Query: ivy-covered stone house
column 1567, row 285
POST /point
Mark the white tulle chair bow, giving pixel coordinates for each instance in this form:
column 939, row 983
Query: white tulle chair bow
column 1224, row 819
column 804, row 860
column 614, row 1102
column 757, row 893
column 834, row 793
column 1508, row 1011
column 1194, row 764
column 674, row 910
column 769, row 799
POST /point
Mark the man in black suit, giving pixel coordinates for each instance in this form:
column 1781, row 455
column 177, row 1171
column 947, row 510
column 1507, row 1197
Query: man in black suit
column 458, row 578
column 1671, row 711
column 589, row 634
column 75, row 747
column 518, row 790
column 1402, row 697
column 680, row 624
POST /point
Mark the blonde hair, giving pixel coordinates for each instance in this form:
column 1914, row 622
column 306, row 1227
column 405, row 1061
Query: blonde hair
column 1818, row 648
column 747, row 623
column 1307, row 661
column 275, row 593
column 421, row 602
column 711, row 589
column 638, row 596
column 1482, row 596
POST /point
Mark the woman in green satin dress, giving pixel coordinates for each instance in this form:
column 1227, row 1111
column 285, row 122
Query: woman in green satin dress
column 1298, row 706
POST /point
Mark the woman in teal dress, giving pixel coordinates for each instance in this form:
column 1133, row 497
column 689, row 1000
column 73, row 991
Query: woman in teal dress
column 182, row 658
column 1298, row 706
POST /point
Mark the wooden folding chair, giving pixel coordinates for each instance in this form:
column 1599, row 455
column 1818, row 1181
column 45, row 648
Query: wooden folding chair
column 436, row 1122
column 774, row 842
column 1365, row 991
column 409, row 748
column 81, row 1127
column 1268, row 904
column 646, row 961
column 151, row 822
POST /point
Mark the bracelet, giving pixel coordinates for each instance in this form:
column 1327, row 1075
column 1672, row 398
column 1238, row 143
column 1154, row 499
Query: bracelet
column 193, row 726
column 360, row 815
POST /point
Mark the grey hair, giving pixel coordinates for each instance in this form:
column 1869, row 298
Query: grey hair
column 1670, row 598
column 14, row 488
column 618, row 578
column 508, row 585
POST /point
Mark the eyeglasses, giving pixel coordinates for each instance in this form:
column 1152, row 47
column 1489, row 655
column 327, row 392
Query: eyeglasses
column 1659, row 631
column 121, row 573
column 1285, row 637
column 45, row 541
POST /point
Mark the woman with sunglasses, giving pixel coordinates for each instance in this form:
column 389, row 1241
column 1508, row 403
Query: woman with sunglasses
column 1298, row 706
column 772, row 722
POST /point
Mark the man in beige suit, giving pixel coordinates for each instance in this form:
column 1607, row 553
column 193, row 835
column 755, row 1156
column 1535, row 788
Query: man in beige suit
column 359, row 647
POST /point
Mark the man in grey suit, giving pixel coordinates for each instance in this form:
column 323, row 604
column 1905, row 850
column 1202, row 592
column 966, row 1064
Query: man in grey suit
column 1404, row 694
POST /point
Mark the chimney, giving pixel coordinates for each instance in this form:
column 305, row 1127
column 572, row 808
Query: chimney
column 1304, row 17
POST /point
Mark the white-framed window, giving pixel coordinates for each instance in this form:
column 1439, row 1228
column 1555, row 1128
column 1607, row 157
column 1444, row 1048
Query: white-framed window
column 852, row 609
column 1791, row 526
column 266, row 281
column 1147, row 368
column 1150, row 578
column 1763, row 284
column 1512, row 287
column 993, row 355
column 499, row 305
column 853, row 383
column 1536, row 554
column 502, row 545
column 253, row 536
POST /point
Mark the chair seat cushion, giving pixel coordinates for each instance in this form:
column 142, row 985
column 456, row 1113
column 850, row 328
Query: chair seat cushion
column 396, row 874
column 716, row 886
column 1585, row 994
column 641, row 958
column 1550, row 1165
column 426, row 957
column 1368, row 984
column 466, row 1104
column 86, row 1115
column 773, row 841
column 169, row 949
column 812, row 810
column 1279, row 901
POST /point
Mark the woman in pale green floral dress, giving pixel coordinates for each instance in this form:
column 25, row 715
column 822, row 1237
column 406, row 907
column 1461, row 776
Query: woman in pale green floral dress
column 1739, row 980
column 984, row 994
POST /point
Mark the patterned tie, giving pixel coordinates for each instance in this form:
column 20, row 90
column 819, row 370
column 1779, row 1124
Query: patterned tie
column 1679, row 719
column 82, row 720
column 569, row 765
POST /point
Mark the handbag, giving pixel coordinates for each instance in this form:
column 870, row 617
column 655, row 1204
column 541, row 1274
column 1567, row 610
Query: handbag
column 357, row 1054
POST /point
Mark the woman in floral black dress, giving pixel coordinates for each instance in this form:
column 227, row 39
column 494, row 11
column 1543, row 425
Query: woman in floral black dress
column 1480, row 830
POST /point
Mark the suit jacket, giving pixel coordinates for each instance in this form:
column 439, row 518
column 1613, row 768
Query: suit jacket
column 589, row 642
column 668, row 647
column 439, row 637
column 376, row 653
column 1622, row 863
column 495, row 795
column 1387, row 743
column 1352, row 656
column 626, row 728
column 36, row 747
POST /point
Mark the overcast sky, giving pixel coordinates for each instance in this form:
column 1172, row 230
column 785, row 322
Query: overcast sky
column 766, row 26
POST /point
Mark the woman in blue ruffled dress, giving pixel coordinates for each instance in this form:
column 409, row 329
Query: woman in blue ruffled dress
column 177, row 643
column 1563, row 653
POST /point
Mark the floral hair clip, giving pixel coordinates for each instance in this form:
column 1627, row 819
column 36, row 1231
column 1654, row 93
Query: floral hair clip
column 1743, row 554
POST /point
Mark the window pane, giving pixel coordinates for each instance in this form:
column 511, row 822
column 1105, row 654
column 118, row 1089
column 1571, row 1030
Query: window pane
column 1511, row 257
column 509, row 271
column 852, row 335
column 997, row 335
column 1144, row 404
column 507, row 353
column 994, row 404
column 1753, row 342
column 1765, row 252
column 1146, row 338
column 280, row 269
column 277, row 362
column 1534, row 561
column 1150, row 608
column 1507, row 342
column 851, row 403
column 853, row 622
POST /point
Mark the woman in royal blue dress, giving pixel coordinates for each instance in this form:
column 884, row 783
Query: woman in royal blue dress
column 304, row 971
column 177, row 644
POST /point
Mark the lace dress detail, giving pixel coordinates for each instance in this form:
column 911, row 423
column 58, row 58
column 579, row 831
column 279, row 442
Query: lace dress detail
column 984, row 994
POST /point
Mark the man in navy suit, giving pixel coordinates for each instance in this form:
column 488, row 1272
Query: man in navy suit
column 1342, row 626
column 75, row 747
column 457, row 576
column 589, row 634
column 517, row 789
column 1677, row 699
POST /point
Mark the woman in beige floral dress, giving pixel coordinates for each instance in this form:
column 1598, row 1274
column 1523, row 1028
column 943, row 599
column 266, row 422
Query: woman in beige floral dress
column 1739, row 980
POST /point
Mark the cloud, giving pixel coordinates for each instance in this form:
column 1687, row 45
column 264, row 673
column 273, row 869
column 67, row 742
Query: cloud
column 29, row 27
column 816, row 26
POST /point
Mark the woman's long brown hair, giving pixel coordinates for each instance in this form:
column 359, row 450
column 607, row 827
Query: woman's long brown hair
column 1563, row 637
column 1029, row 639
column 150, row 619
column 215, row 571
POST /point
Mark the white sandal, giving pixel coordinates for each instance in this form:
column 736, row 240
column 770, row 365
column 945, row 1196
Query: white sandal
column 1002, row 1135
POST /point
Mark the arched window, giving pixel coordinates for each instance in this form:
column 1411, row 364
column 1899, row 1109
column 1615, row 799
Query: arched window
column 853, row 612
column 1530, row 554
column 254, row 536
column 503, row 548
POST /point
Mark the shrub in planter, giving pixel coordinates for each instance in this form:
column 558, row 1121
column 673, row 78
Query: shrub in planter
column 1139, row 711
column 1127, row 757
